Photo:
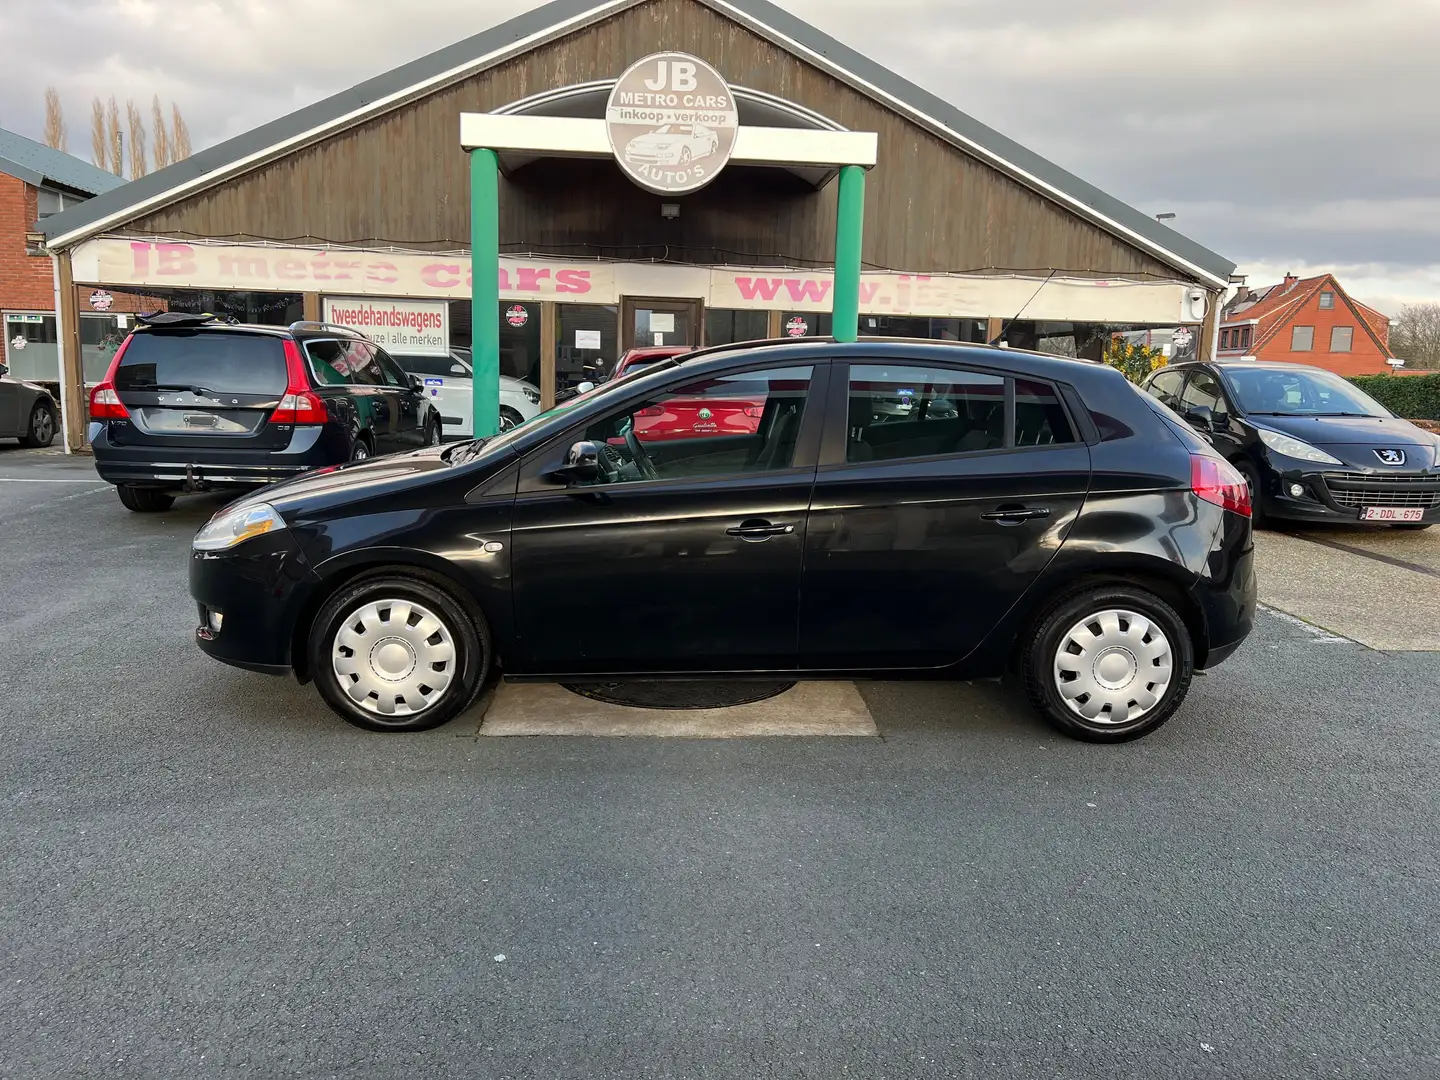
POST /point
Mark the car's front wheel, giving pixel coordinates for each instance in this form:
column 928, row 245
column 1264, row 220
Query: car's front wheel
column 395, row 651
column 509, row 418
column 1109, row 665
column 143, row 500
column 40, row 431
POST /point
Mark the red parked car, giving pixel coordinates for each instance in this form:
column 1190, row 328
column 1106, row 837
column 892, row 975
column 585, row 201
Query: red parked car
column 684, row 419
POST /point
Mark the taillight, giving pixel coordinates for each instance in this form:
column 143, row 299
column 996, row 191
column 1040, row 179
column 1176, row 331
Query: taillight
column 1217, row 481
column 105, row 403
column 300, row 405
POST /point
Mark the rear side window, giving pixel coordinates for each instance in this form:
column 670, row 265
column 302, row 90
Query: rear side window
column 340, row 363
column 1040, row 419
column 217, row 360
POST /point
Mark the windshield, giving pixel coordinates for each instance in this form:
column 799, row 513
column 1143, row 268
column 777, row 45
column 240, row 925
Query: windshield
column 1266, row 391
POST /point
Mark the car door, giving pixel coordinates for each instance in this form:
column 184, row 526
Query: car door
column 381, row 400
column 942, row 494
column 10, row 419
column 1203, row 388
column 695, row 567
column 407, row 402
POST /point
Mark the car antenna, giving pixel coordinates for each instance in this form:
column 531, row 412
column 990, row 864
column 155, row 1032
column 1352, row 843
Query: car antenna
column 1005, row 326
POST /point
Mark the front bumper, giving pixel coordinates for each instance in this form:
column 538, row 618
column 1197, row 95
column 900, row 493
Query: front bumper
column 1335, row 495
column 260, row 587
column 192, row 469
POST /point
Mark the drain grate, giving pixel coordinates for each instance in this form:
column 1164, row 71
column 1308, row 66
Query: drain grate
column 679, row 695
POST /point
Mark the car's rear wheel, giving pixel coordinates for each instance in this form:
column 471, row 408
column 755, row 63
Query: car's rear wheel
column 395, row 651
column 144, row 500
column 361, row 450
column 1109, row 665
column 40, row 431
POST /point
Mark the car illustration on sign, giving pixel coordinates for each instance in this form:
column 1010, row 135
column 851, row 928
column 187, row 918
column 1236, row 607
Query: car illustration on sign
column 673, row 144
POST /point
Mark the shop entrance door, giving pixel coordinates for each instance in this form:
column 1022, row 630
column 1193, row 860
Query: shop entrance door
column 648, row 323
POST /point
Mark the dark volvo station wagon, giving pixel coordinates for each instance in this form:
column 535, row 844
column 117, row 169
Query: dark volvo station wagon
column 899, row 510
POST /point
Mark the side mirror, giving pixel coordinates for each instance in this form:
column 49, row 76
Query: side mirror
column 582, row 463
column 584, row 388
column 458, row 369
column 417, row 384
column 1200, row 416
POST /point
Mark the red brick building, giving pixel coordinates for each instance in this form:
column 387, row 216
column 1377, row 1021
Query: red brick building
column 1306, row 321
column 36, row 182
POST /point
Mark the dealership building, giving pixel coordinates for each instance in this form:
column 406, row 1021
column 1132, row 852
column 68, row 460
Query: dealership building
column 715, row 216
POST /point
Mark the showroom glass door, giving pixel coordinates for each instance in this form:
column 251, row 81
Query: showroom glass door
column 650, row 323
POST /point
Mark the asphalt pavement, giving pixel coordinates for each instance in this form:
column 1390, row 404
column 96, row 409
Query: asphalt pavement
column 205, row 874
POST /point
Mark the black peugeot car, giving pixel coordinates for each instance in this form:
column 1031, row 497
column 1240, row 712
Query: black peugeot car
column 1019, row 510
column 192, row 403
column 1311, row 445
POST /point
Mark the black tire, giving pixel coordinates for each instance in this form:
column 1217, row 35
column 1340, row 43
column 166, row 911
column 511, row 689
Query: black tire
column 1412, row 526
column 432, row 433
column 40, row 428
column 509, row 418
column 468, row 636
column 360, row 451
column 143, row 500
column 1048, row 637
column 1246, row 468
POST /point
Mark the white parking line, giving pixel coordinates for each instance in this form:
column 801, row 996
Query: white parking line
column 43, row 480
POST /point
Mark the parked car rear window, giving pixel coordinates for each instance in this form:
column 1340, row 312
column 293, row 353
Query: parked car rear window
column 223, row 361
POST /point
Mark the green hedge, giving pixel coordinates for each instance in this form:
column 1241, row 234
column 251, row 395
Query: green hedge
column 1415, row 397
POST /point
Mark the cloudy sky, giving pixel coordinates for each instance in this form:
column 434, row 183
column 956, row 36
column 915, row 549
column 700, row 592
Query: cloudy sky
column 1301, row 136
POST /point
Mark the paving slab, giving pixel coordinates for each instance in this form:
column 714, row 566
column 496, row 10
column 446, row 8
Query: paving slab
column 1348, row 591
column 807, row 709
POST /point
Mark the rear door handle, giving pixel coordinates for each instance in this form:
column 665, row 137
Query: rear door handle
column 757, row 531
column 1014, row 515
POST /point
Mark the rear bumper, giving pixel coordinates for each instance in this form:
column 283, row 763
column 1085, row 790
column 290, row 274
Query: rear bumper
column 260, row 588
column 1227, row 593
column 182, row 467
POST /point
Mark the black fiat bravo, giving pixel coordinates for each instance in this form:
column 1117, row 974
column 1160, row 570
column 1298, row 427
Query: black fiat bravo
column 892, row 510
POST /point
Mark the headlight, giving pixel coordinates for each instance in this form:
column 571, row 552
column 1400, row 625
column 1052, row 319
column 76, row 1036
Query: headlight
column 231, row 527
column 1284, row 444
column 532, row 396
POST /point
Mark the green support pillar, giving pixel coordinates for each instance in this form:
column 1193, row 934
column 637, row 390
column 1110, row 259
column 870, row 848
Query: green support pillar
column 485, row 288
column 849, row 236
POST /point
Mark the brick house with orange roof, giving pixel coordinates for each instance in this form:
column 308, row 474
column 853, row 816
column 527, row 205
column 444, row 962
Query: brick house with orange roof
column 1306, row 321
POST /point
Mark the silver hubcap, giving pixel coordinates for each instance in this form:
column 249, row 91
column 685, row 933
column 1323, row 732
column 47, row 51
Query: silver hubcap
column 1113, row 667
column 394, row 658
column 360, row 453
column 42, row 427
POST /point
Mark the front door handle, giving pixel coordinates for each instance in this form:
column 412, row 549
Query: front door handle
column 1014, row 515
column 756, row 531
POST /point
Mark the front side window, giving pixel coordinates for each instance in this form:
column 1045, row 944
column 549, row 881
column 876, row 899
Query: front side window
column 1342, row 338
column 902, row 411
column 388, row 370
column 1166, row 386
column 1204, row 389
column 712, row 427
column 1302, row 339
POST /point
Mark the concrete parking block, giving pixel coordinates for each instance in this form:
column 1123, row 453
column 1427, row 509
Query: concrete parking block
column 1379, row 604
column 809, row 708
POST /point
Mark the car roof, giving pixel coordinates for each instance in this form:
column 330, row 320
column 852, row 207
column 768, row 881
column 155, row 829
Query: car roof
column 296, row 330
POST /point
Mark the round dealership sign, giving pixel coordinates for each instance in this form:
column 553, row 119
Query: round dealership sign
column 517, row 316
column 672, row 123
column 797, row 327
column 101, row 300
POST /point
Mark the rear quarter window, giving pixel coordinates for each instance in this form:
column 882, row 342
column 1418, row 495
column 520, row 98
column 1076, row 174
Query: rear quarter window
column 218, row 360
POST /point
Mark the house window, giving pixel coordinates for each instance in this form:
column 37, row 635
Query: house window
column 1245, row 338
column 48, row 202
column 1224, row 339
column 1302, row 339
column 1342, row 338
column 1327, row 300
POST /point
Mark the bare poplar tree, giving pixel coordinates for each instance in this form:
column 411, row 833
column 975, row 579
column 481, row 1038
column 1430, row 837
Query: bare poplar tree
column 99, row 148
column 179, row 135
column 135, row 121
column 1416, row 337
column 55, row 134
column 115, row 137
column 160, row 135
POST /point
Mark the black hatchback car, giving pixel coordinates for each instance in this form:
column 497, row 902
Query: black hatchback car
column 192, row 403
column 1311, row 445
column 891, row 510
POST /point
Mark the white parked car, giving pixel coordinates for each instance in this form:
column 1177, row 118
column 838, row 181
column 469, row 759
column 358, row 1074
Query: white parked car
column 450, row 386
column 673, row 144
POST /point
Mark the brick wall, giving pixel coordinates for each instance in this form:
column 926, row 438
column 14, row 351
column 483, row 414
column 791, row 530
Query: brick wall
column 1365, row 358
column 25, row 282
